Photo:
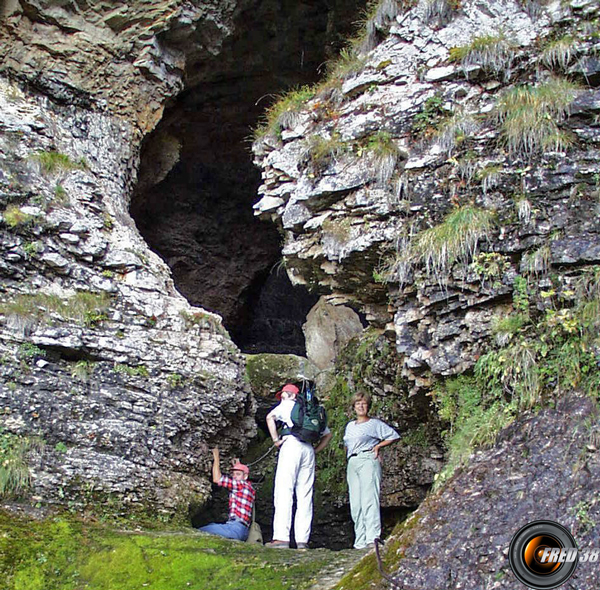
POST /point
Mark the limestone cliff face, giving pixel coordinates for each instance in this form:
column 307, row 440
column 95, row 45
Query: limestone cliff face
column 126, row 58
column 121, row 382
column 422, row 182
column 412, row 132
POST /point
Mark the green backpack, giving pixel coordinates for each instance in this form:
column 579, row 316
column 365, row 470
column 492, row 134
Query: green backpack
column 308, row 416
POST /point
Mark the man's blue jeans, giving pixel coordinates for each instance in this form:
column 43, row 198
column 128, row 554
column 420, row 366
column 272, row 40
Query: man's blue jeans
column 232, row 529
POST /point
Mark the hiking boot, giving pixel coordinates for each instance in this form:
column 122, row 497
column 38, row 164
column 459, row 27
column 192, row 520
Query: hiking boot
column 302, row 545
column 274, row 544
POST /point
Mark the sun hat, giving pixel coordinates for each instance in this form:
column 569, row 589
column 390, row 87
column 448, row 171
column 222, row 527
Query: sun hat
column 290, row 387
column 240, row 467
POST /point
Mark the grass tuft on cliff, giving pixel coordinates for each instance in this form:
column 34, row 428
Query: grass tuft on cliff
column 559, row 53
column 385, row 155
column 321, row 151
column 374, row 24
column 493, row 53
column 455, row 239
column 284, row 112
column 52, row 162
column 530, row 117
column 15, row 477
column 440, row 12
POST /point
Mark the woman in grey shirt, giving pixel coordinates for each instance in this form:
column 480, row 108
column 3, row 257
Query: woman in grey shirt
column 363, row 438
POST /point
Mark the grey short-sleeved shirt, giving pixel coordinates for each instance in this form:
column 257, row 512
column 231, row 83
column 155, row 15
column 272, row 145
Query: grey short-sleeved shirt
column 364, row 436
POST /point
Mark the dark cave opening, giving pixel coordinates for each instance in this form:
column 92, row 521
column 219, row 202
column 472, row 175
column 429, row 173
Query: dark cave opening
column 197, row 182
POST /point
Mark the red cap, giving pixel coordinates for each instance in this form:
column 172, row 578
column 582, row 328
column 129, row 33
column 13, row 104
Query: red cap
column 287, row 387
column 240, row 467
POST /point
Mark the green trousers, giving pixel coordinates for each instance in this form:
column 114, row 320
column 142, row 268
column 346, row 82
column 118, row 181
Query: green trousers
column 364, row 480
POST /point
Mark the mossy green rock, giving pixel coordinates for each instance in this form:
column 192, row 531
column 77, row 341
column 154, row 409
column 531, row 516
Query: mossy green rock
column 66, row 554
column 268, row 372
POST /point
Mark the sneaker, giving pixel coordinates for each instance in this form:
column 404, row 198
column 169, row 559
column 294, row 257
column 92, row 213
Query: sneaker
column 302, row 545
column 274, row 544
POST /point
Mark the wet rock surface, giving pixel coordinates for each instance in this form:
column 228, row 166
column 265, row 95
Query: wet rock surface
column 544, row 467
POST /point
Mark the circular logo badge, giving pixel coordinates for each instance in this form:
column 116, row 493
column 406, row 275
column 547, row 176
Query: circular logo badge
column 543, row 555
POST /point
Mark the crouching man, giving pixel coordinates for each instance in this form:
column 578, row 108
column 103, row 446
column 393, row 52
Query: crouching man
column 241, row 500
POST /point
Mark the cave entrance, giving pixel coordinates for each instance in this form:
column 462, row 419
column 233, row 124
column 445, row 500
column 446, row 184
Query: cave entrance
column 197, row 182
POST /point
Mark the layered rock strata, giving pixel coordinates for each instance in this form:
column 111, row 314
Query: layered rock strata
column 413, row 132
column 115, row 384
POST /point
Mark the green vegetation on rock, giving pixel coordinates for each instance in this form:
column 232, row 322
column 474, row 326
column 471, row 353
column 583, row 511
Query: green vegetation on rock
column 439, row 247
column 29, row 351
column 559, row 53
column 385, row 155
column 15, row 477
column 138, row 371
column 493, row 53
column 348, row 62
column 283, row 113
column 374, row 23
column 530, row 116
column 426, row 121
column 84, row 307
column 14, row 217
column 82, row 370
column 321, row 151
column 60, row 195
column 538, row 356
column 66, row 554
column 52, row 162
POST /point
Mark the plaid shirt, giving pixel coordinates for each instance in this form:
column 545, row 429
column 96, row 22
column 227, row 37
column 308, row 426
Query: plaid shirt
column 241, row 498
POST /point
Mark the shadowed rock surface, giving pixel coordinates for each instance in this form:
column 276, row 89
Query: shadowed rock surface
column 544, row 467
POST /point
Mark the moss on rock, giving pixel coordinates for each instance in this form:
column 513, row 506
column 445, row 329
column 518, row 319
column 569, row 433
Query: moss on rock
column 66, row 554
column 268, row 372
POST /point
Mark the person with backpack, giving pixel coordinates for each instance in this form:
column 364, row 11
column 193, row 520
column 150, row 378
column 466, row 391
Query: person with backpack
column 241, row 500
column 364, row 438
column 304, row 424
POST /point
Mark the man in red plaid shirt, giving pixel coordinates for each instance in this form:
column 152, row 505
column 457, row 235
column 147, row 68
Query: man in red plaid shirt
column 241, row 500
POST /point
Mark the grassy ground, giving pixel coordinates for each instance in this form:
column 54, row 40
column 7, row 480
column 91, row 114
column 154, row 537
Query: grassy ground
column 62, row 553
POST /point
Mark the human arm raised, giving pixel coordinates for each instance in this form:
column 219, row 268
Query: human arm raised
column 216, row 468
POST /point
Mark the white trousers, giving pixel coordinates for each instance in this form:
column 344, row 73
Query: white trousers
column 295, row 472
